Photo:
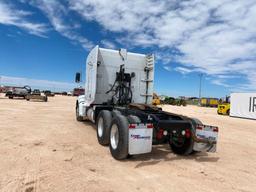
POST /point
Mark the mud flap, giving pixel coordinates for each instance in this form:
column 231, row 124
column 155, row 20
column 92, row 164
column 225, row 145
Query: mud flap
column 208, row 133
column 140, row 138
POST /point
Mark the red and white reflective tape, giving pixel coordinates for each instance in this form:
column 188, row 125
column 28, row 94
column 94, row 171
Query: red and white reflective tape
column 202, row 127
column 132, row 126
column 140, row 126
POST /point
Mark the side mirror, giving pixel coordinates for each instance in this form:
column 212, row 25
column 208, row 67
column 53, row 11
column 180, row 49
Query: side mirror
column 78, row 77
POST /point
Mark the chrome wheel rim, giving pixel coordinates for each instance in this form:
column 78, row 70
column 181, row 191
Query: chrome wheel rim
column 100, row 127
column 114, row 136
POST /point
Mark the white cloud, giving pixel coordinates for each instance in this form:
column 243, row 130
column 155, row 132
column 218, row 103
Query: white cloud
column 168, row 68
column 108, row 44
column 217, row 37
column 36, row 83
column 220, row 82
column 118, row 15
column 19, row 18
column 183, row 70
column 58, row 15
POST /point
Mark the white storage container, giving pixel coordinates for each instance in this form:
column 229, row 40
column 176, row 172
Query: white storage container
column 243, row 105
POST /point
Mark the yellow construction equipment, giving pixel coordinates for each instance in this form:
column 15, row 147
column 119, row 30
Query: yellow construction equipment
column 224, row 107
column 209, row 102
column 156, row 100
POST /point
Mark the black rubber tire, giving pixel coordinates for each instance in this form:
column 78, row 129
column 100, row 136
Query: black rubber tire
column 228, row 112
column 115, row 113
column 187, row 147
column 10, row 97
column 107, row 118
column 121, row 151
column 45, row 99
column 133, row 119
column 78, row 118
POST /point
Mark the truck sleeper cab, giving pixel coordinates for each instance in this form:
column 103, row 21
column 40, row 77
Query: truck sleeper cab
column 118, row 97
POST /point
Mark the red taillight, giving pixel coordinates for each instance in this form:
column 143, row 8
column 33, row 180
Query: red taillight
column 187, row 133
column 150, row 126
column 132, row 126
column 200, row 127
column 216, row 129
column 160, row 134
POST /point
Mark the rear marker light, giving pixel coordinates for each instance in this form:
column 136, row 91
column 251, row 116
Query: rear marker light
column 188, row 133
column 159, row 134
column 150, row 126
column 132, row 126
column 199, row 127
column 216, row 129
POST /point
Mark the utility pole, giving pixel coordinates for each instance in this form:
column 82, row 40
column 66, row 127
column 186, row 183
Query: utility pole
column 200, row 88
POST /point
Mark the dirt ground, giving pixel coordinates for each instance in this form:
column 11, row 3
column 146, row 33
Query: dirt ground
column 43, row 148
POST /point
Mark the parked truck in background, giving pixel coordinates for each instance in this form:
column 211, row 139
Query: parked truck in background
column 20, row 92
column 118, row 97
column 48, row 93
column 36, row 95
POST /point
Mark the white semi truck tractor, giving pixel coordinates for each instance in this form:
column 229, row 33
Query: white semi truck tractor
column 118, row 96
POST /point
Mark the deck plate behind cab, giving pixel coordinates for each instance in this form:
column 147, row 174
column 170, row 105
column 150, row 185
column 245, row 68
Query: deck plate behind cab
column 143, row 107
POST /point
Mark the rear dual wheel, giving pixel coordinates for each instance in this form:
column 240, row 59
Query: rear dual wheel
column 184, row 146
column 112, row 130
column 103, row 124
column 119, row 137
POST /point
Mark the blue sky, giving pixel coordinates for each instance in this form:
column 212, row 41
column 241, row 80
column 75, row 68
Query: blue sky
column 44, row 42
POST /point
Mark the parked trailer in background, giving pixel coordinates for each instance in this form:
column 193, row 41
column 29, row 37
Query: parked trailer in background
column 118, row 97
column 243, row 105
column 209, row 102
